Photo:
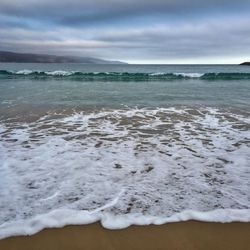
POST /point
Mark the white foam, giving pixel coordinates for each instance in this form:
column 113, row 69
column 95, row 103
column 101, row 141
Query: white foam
column 123, row 167
column 24, row 72
column 61, row 217
column 157, row 74
column 59, row 73
column 191, row 75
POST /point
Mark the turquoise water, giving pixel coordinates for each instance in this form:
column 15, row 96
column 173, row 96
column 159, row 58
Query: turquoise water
column 122, row 144
column 131, row 85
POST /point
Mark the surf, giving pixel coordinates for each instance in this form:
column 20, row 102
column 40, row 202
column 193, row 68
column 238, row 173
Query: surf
column 121, row 76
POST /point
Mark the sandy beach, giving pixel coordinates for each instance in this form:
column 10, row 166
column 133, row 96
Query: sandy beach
column 182, row 235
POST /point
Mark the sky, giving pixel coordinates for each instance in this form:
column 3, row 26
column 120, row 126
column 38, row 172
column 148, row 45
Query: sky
column 134, row 31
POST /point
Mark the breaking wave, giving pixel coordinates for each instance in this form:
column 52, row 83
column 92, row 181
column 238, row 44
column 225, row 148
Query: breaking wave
column 121, row 76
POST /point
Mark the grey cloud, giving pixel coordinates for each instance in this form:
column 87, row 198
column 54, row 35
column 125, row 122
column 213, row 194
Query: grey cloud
column 127, row 30
column 220, row 37
column 76, row 12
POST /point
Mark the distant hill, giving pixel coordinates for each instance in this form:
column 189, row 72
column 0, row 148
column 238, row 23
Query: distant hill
column 6, row 56
column 245, row 63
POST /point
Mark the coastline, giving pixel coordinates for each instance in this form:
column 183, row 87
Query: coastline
column 180, row 235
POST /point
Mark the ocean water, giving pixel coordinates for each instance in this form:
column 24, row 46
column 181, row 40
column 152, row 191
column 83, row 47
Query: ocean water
column 123, row 144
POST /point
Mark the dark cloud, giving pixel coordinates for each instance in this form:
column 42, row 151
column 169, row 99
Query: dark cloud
column 76, row 12
column 128, row 30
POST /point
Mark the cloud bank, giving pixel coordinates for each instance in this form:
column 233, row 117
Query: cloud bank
column 142, row 31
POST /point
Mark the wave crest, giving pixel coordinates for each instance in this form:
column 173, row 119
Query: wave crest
column 122, row 76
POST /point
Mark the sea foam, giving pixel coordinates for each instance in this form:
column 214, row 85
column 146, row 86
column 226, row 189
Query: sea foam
column 61, row 217
column 190, row 75
column 123, row 167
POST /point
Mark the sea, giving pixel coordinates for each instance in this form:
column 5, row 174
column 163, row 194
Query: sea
column 122, row 144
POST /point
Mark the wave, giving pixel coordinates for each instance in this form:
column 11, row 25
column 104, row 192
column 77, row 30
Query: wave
column 121, row 76
column 62, row 217
column 122, row 167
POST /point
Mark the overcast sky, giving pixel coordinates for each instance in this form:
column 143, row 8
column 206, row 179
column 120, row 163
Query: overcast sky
column 135, row 31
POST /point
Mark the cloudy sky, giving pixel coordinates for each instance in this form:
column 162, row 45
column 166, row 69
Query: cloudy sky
column 135, row 31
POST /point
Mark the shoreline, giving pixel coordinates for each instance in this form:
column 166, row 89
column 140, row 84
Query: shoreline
column 178, row 235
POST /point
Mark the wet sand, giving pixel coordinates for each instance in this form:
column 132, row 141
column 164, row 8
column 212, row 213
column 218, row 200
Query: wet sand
column 182, row 235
